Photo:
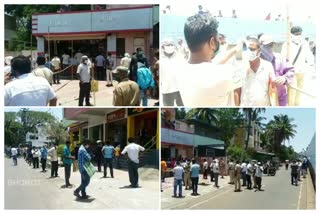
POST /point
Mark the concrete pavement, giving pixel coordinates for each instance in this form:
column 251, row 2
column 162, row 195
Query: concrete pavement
column 27, row 188
column 278, row 194
column 68, row 94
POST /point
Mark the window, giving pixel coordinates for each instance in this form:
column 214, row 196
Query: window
column 121, row 47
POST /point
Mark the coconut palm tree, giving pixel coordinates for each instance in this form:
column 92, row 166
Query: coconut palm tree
column 208, row 115
column 280, row 129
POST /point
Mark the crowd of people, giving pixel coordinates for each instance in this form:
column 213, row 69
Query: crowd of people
column 247, row 174
column 81, row 158
column 207, row 71
column 30, row 84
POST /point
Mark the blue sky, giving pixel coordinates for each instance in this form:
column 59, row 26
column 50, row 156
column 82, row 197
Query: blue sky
column 304, row 118
column 57, row 112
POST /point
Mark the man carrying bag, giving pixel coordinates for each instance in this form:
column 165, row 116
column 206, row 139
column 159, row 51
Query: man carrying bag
column 86, row 170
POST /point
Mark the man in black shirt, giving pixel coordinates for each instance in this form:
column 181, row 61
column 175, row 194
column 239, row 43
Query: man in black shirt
column 294, row 173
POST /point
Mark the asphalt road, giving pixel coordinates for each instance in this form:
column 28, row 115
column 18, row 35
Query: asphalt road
column 278, row 194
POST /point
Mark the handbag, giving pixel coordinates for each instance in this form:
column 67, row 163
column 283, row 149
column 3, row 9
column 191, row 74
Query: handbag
column 88, row 166
column 94, row 85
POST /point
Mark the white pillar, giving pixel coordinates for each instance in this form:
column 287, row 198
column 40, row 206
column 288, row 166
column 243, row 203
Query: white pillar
column 40, row 45
column 112, row 46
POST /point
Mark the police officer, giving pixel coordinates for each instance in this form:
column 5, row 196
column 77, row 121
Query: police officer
column 237, row 177
column 231, row 168
column 187, row 176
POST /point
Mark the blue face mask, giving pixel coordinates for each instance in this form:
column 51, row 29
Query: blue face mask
column 266, row 54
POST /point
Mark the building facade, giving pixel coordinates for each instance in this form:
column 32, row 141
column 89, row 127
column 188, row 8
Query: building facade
column 39, row 138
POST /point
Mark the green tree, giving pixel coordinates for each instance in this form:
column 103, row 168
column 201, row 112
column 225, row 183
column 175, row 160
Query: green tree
column 12, row 130
column 280, row 129
column 207, row 115
column 57, row 131
column 180, row 113
column 236, row 152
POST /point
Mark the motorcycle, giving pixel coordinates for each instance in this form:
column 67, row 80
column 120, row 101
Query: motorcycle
column 272, row 171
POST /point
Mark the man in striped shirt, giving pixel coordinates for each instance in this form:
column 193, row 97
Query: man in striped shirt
column 83, row 157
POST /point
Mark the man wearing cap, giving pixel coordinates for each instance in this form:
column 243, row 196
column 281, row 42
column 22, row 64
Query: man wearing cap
column 298, row 53
column 125, row 61
column 42, row 71
column 126, row 93
column 84, row 75
column 168, row 73
column 283, row 71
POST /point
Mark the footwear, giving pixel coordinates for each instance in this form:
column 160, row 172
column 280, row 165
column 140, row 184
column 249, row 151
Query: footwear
column 75, row 193
column 85, row 197
column 174, row 196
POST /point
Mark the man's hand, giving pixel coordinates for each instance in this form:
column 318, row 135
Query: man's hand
column 280, row 80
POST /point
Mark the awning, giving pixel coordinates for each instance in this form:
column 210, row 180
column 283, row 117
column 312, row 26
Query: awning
column 62, row 37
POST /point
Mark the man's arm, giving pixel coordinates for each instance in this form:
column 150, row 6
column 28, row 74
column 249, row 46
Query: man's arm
column 117, row 97
column 141, row 148
column 237, row 96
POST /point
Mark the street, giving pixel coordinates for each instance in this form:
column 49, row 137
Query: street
column 278, row 194
column 68, row 94
column 28, row 188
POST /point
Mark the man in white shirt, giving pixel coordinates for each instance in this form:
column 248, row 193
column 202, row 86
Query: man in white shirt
column 133, row 151
column 201, row 82
column 100, row 64
column 249, row 174
column 110, row 66
column 65, row 61
column 14, row 155
column 125, row 61
column 216, row 172
column 27, row 89
column 178, row 174
column 244, row 173
column 182, row 49
column 84, row 75
column 170, row 62
column 258, row 78
column 301, row 57
column 205, row 169
column 56, row 68
column 42, row 70
column 35, row 157
column 52, row 152
column 258, row 177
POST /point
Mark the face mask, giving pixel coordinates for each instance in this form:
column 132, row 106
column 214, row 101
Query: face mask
column 266, row 53
column 169, row 49
column 252, row 55
column 296, row 38
column 85, row 61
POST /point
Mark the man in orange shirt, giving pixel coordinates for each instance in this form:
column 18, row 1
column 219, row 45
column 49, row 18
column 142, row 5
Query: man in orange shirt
column 163, row 171
column 117, row 155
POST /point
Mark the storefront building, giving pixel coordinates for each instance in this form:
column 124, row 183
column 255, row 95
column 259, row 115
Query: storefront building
column 114, row 30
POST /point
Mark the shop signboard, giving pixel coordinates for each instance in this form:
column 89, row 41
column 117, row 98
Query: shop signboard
column 176, row 137
column 71, row 113
column 116, row 115
column 134, row 111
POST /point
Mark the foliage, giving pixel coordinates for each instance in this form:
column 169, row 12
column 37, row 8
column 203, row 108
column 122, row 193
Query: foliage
column 287, row 153
column 57, row 131
column 236, row 152
column 12, row 130
column 180, row 113
column 207, row 115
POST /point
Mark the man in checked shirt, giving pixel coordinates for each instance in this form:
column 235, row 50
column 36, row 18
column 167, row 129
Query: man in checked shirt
column 83, row 157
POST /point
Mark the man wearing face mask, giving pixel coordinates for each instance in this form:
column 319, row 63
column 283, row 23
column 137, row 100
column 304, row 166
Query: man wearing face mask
column 27, row 89
column 300, row 56
column 259, row 74
column 283, row 71
column 226, row 55
column 200, row 81
column 182, row 50
column 168, row 70
column 84, row 75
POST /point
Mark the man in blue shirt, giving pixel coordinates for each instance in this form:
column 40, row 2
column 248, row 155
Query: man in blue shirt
column 107, row 152
column 44, row 155
column 195, row 169
column 67, row 161
column 83, row 157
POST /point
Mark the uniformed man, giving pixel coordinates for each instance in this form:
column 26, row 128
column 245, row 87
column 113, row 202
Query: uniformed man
column 126, row 93
column 237, row 177
column 187, row 178
column 231, row 168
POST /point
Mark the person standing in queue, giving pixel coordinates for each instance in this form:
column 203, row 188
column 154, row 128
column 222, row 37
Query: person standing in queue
column 237, row 177
column 195, row 170
column 67, row 161
column 84, row 75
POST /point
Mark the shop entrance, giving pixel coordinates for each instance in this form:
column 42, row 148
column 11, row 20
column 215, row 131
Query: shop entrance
column 117, row 133
column 146, row 128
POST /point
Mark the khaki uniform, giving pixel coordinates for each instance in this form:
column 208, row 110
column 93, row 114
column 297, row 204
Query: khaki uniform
column 126, row 93
column 237, row 177
column 231, row 172
column 187, row 176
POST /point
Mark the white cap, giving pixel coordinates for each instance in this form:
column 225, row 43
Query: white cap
column 99, row 141
column 266, row 39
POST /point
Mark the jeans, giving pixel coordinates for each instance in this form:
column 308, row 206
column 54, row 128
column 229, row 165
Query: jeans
column 216, row 179
column 56, row 76
column 107, row 161
column 54, row 168
column 133, row 173
column 43, row 164
column 249, row 182
column 67, row 173
column 294, row 178
column 195, row 181
column 85, row 180
column 258, row 181
column 168, row 99
column 84, row 93
column 99, row 164
column 35, row 162
column 177, row 182
column 244, row 178
column 143, row 97
column 100, row 73
column 15, row 160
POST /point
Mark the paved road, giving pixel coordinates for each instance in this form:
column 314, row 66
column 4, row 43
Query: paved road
column 27, row 188
column 68, row 94
column 278, row 194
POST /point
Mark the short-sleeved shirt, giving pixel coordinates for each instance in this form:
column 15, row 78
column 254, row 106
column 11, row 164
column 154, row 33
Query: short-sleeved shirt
column 14, row 151
column 66, row 153
column 83, row 157
column 28, row 90
column 100, row 61
column 65, row 59
column 163, row 166
column 108, row 151
column 44, row 72
column 117, row 151
column 126, row 93
column 255, row 87
column 44, row 153
column 84, row 72
column 249, row 169
column 294, row 168
column 133, row 151
column 259, row 171
column 178, row 172
column 56, row 62
column 195, row 168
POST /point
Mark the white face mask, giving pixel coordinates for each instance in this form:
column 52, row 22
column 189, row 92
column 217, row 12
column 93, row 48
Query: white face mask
column 86, row 61
column 251, row 55
column 169, row 49
column 296, row 38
